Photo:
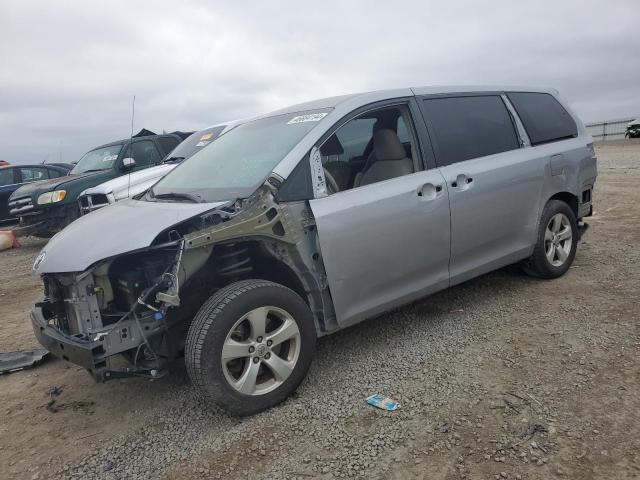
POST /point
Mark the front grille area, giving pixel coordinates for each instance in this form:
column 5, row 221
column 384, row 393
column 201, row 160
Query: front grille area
column 89, row 203
column 20, row 206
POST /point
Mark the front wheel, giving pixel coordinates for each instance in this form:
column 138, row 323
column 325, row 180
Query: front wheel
column 557, row 242
column 250, row 345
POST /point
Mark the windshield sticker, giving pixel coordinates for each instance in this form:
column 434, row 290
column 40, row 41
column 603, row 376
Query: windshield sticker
column 311, row 117
column 206, row 136
column 202, row 144
column 317, row 174
column 109, row 158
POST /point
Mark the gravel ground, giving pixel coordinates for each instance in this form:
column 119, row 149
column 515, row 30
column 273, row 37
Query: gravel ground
column 504, row 376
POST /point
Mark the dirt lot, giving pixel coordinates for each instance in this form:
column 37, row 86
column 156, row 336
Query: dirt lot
column 504, row 376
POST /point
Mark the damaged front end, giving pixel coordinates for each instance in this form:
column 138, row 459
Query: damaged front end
column 119, row 307
column 129, row 314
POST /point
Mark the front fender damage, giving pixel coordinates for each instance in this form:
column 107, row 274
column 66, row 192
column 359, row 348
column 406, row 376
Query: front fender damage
column 286, row 232
column 129, row 314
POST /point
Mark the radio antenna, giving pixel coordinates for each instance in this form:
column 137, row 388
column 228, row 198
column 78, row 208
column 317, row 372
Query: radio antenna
column 133, row 114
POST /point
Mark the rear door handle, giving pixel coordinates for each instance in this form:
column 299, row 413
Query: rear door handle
column 461, row 180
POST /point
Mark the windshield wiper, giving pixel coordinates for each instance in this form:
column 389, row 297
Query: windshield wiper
column 176, row 196
column 173, row 159
column 94, row 170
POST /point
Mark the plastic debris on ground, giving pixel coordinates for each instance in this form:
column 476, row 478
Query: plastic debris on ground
column 8, row 240
column 14, row 361
column 385, row 403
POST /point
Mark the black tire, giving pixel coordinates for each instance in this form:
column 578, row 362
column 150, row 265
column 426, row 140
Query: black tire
column 215, row 320
column 538, row 265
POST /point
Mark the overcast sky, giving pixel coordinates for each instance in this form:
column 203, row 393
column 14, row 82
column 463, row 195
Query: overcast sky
column 68, row 70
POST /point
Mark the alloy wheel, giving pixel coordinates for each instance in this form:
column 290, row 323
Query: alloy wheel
column 558, row 239
column 261, row 350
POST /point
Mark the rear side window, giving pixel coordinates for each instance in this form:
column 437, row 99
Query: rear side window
column 469, row 127
column 33, row 174
column 168, row 143
column 543, row 117
column 144, row 153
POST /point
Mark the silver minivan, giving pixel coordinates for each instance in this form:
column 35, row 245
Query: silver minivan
column 310, row 219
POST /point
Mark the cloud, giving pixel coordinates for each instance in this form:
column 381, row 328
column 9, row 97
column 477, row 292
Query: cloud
column 70, row 70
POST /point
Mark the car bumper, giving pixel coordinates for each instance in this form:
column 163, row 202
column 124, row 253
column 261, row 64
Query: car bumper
column 49, row 219
column 87, row 354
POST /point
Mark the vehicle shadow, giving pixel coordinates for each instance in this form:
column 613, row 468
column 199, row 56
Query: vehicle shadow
column 454, row 300
column 447, row 309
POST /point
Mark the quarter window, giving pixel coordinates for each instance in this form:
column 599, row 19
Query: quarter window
column 544, row 119
column 470, row 127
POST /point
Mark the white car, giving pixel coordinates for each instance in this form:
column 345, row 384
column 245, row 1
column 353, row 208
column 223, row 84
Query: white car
column 130, row 185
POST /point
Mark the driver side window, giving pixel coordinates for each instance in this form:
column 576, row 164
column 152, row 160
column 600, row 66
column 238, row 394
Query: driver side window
column 144, row 153
column 375, row 146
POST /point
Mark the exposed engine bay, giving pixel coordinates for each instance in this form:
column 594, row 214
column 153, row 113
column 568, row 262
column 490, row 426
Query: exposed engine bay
column 129, row 314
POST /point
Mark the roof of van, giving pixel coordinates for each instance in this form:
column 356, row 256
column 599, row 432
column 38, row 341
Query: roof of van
column 332, row 102
column 338, row 107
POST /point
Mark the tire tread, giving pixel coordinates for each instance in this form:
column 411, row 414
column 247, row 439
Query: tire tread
column 203, row 322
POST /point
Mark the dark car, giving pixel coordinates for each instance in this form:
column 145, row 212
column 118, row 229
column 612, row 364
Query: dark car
column 13, row 177
column 63, row 165
column 46, row 207
column 633, row 129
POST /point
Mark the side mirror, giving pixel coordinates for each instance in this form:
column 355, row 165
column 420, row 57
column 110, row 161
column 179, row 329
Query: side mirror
column 128, row 164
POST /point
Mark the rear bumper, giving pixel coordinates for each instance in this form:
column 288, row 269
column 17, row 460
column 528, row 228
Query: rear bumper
column 585, row 210
column 87, row 354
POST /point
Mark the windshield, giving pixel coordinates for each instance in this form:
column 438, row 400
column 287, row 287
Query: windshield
column 194, row 143
column 239, row 161
column 98, row 159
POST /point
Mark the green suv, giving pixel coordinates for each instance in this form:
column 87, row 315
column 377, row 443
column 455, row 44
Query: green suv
column 47, row 206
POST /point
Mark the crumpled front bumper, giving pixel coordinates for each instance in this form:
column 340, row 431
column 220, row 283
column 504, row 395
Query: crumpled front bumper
column 87, row 354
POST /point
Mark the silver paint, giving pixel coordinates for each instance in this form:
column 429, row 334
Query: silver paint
column 384, row 244
column 119, row 228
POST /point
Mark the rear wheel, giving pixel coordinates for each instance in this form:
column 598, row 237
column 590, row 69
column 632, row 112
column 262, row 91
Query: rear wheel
column 557, row 242
column 250, row 345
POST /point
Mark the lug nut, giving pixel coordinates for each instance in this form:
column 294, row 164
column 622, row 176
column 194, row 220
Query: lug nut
column 256, row 359
column 267, row 355
column 259, row 339
column 252, row 349
column 269, row 343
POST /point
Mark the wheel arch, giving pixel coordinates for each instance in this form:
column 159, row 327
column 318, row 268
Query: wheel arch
column 568, row 198
column 275, row 261
column 268, row 267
